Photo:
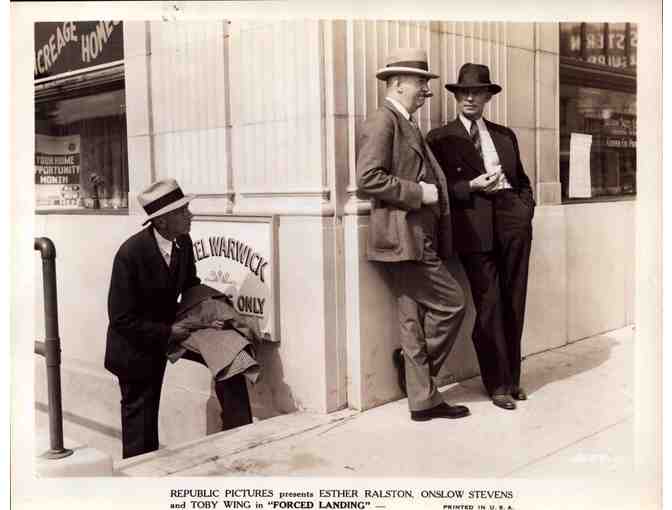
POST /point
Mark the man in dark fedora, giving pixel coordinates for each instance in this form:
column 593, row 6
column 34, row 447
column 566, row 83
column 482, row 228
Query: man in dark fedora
column 397, row 170
column 493, row 206
column 150, row 270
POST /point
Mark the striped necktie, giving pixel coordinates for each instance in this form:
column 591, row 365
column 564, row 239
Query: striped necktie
column 476, row 138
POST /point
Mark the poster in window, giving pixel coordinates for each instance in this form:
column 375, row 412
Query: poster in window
column 579, row 165
column 57, row 171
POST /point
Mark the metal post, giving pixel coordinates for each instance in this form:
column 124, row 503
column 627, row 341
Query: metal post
column 51, row 348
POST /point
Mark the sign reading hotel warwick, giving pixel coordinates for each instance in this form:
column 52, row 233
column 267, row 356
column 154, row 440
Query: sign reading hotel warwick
column 235, row 254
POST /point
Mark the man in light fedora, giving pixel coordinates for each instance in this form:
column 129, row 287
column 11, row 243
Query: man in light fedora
column 150, row 270
column 493, row 206
column 397, row 170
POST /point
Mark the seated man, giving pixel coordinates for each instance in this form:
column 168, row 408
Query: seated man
column 150, row 270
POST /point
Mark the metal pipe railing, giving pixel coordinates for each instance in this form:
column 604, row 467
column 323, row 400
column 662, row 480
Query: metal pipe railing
column 51, row 348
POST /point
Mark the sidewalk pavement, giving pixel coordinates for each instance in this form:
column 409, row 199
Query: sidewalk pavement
column 577, row 423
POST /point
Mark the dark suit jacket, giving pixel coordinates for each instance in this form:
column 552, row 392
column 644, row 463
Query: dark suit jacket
column 142, row 303
column 390, row 163
column 472, row 211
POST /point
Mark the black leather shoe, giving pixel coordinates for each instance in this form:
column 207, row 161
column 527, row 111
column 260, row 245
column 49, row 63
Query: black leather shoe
column 504, row 401
column 398, row 360
column 441, row 411
column 519, row 394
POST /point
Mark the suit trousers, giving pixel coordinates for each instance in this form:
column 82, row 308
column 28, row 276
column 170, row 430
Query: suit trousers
column 232, row 394
column 498, row 281
column 140, row 412
column 430, row 305
column 140, row 407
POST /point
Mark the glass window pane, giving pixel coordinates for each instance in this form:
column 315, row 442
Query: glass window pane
column 598, row 110
column 80, row 152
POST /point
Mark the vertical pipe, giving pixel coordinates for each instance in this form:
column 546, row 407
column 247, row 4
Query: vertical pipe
column 52, row 348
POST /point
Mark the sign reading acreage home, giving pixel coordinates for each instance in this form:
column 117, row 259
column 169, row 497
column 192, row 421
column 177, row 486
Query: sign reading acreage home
column 73, row 45
column 235, row 254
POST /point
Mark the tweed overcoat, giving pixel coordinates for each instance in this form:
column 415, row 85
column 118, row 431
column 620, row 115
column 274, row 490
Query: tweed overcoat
column 392, row 159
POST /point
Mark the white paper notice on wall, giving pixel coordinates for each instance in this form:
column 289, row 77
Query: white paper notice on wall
column 579, row 165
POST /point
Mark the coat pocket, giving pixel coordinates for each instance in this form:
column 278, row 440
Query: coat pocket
column 384, row 228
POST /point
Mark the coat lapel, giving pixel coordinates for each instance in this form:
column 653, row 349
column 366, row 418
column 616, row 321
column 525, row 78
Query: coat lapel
column 503, row 147
column 154, row 257
column 468, row 152
column 411, row 134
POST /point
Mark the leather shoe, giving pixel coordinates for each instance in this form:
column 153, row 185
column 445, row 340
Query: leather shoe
column 519, row 394
column 443, row 410
column 504, row 401
column 399, row 364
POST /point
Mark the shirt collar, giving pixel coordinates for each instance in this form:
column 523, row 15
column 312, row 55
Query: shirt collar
column 467, row 123
column 164, row 244
column 400, row 108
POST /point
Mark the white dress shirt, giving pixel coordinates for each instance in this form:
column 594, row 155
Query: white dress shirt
column 490, row 156
column 165, row 246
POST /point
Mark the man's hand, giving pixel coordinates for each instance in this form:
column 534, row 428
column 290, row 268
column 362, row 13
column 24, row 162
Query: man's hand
column 430, row 193
column 485, row 182
column 217, row 324
column 178, row 334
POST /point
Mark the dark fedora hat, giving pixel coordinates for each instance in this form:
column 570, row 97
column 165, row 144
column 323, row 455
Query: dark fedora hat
column 474, row 76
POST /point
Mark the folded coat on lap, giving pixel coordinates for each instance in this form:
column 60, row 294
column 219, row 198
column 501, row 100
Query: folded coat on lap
column 227, row 352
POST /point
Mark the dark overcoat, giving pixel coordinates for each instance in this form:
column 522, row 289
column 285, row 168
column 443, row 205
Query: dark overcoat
column 142, row 303
column 472, row 213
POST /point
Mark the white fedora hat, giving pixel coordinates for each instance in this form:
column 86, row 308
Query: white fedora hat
column 406, row 61
column 161, row 197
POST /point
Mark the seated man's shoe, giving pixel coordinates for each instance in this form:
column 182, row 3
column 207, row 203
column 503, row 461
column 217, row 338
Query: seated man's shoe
column 443, row 410
column 398, row 360
column 504, row 401
column 519, row 394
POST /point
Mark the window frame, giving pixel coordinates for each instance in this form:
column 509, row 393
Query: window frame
column 580, row 73
column 82, row 82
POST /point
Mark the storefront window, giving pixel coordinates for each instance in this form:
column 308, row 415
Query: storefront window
column 598, row 116
column 81, row 162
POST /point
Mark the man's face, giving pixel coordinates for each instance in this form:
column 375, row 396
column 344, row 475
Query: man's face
column 471, row 102
column 178, row 222
column 412, row 92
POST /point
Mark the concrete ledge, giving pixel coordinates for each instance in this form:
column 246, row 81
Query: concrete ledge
column 84, row 461
column 177, row 459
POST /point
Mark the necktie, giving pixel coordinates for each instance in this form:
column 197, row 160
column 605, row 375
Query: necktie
column 415, row 125
column 174, row 256
column 428, row 173
column 476, row 138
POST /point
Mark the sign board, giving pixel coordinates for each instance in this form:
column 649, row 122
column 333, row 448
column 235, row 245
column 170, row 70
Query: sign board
column 579, row 165
column 57, row 171
column 73, row 45
column 611, row 46
column 237, row 255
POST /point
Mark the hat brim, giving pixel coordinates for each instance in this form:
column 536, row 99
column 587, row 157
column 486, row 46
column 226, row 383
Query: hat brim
column 386, row 72
column 492, row 87
column 170, row 207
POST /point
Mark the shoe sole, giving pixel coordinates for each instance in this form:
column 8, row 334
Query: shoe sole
column 438, row 417
column 505, row 408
